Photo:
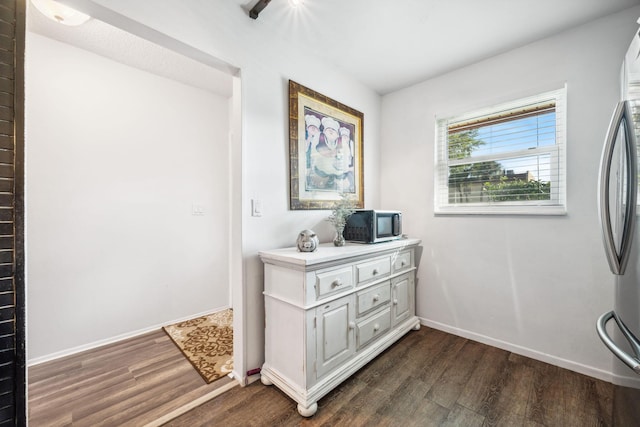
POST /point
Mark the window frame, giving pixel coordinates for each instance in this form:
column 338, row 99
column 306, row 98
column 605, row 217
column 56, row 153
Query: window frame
column 557, row 203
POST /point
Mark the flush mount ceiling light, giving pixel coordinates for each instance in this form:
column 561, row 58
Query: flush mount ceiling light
column 60, row 13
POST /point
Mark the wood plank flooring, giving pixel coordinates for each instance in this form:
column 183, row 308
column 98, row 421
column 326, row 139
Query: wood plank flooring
column 428, row 378
column 134, row 382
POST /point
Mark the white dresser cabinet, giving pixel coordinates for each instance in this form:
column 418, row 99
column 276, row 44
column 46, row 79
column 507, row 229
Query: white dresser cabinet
column 329, row 312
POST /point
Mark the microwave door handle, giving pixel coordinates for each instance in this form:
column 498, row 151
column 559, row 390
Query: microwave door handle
column 617, row 262
column 630, row 361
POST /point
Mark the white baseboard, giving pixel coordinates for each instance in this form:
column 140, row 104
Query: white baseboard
column 628, row 381
column 235, row 375
column 523, row 351
column 252, row 379
column 100, row 343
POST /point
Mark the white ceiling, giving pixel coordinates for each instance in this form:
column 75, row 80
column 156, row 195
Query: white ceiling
column 387, row 45
column 111, row 42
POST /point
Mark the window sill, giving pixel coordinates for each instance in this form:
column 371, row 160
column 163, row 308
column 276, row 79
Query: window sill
column 501, row 210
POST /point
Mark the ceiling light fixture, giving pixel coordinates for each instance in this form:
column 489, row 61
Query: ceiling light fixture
column 255, row 10
column 295, row 3
column 60, row 13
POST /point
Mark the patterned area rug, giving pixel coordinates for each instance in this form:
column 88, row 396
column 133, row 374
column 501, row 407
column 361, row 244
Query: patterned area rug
column 207, row 342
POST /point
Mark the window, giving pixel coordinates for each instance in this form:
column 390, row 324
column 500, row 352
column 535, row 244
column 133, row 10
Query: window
column 505, row 159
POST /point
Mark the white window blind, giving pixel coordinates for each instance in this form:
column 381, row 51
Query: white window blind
column 508, row 158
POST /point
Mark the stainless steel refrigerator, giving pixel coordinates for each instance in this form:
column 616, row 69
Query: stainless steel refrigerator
column 619, row 328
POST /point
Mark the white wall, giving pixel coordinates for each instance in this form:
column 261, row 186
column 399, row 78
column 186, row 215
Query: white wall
column 535, row 285
column 115, row 159
column 223, row 30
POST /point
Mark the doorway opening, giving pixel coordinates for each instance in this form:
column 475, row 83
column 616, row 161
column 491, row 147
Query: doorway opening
column 134, row 153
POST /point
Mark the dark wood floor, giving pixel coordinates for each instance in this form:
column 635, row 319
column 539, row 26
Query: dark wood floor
column 134, row 382
column 428, row 378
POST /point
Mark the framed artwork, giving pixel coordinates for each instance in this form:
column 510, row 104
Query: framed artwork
column 325, row 150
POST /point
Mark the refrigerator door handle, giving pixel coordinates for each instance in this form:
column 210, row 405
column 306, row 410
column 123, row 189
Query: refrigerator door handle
column 627, row 359
column 621, row 116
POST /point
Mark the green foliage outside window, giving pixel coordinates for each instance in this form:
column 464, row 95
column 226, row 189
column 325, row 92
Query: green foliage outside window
column 461, row 145
column 488, row 177
column 507, row 190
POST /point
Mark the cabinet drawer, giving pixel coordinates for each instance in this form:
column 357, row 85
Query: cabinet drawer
column 371, row 328
column 329, row 282
column 372, row 298
column 373, row 269
column 402, row 261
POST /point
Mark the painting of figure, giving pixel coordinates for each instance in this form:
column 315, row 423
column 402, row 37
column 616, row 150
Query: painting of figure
column 329, row 154
column 325, row 149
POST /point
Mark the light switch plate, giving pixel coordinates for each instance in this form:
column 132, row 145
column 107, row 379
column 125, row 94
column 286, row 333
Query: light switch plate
column 256, row 207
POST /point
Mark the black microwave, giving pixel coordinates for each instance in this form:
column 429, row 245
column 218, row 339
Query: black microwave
column 373, row 226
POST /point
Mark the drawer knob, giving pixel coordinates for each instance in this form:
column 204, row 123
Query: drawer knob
column 352, row 325
column 375, row 271
column 336, row 283
column 376, row 298
column 376, row 327
column 395, row 301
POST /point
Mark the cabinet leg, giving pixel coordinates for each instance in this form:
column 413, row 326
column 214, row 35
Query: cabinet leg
column 264, row 380
column 307, row 412
column 417, row 327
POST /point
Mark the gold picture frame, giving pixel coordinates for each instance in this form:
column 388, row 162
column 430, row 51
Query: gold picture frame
column 325, row 150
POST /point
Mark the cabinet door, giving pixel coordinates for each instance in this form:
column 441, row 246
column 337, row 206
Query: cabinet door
column 335, row 334
column 402, row 306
